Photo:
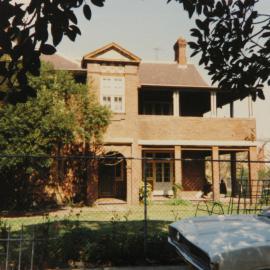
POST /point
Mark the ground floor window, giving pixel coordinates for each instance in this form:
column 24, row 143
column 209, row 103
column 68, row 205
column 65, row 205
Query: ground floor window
column 159, row 168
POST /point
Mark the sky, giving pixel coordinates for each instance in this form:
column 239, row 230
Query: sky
column 138, row 25
column 149, row 29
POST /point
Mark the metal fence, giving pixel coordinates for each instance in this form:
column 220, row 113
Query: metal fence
column 36, row 232
column 13, row 248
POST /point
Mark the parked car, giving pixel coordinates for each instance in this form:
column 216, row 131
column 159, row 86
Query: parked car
column 233, row 242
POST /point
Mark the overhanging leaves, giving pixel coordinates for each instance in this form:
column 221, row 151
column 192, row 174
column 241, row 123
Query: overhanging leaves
column 24, row 35
column 234, row 51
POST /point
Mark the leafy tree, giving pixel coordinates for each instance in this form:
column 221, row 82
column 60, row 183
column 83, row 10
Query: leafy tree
column 25, row 31
column 233, row 40
column 44, row 126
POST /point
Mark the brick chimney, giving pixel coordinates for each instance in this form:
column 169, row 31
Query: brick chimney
column 180, row 51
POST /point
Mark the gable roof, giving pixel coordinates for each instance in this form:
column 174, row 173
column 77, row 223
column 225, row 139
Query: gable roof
column 111, row 52
column 60, row 62
column 170, row 74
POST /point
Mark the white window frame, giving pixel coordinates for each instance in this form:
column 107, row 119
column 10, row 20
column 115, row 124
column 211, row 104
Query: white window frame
column 114, row 91
column 154, row 163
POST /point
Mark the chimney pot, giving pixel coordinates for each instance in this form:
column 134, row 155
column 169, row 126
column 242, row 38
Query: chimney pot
column 180, row 51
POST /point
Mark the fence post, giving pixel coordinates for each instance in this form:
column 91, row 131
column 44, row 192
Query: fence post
column 7, row 247
column 33, row 250
column 20, row 248
column 145, row 208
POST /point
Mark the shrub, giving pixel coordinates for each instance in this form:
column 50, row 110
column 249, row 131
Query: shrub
column 149, row 190
column 176, row 188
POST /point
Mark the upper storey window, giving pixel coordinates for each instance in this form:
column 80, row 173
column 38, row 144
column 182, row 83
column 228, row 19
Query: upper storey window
column 155, row 102
column 112, row 93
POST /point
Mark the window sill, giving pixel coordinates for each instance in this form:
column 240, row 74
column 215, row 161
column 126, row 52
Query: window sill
column 118, row 116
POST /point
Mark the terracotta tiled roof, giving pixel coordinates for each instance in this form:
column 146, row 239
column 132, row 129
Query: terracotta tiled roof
column 60, row 62
column 170, row 74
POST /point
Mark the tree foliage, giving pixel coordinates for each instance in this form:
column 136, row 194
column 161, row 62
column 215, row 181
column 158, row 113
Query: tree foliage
column 26, row 31
column 62, row 115
column 232, row 38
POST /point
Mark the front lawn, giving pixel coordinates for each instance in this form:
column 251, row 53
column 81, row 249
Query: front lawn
column 167, row 211
column 101, row 235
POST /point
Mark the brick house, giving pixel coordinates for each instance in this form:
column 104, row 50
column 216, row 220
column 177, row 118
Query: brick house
column 166, row 112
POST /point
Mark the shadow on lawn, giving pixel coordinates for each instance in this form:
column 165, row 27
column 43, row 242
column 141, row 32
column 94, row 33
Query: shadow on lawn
column 30, row 213
column 97, row 243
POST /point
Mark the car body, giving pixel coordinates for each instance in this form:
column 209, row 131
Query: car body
column 224, row 242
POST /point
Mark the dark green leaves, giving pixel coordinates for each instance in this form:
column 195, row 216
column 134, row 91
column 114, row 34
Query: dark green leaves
column 189, row 7
column 233, row 41
column 47, row 49
column 57, row 34
column 193, row 45
column 87, row 12
column 200, row 24
column 24, row 34
column 22, row 79
column 5, row 42
column 261, row 94
column 41, row 29
column 266, row 34
column 99, row 3
column 72, row 32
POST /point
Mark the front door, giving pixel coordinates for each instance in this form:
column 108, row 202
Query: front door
column 106, row 181
column 112, row 178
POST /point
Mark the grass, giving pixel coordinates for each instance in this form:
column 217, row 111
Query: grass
column 102, row 235
column 98, row 236
column 165, row 211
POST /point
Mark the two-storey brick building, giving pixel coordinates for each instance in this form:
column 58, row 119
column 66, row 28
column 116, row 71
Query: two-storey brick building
column 163, row 110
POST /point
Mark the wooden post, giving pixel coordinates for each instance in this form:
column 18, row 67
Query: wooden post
column 215, row 173
column 176, row 103
column 213, row 97
column 178, row 165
